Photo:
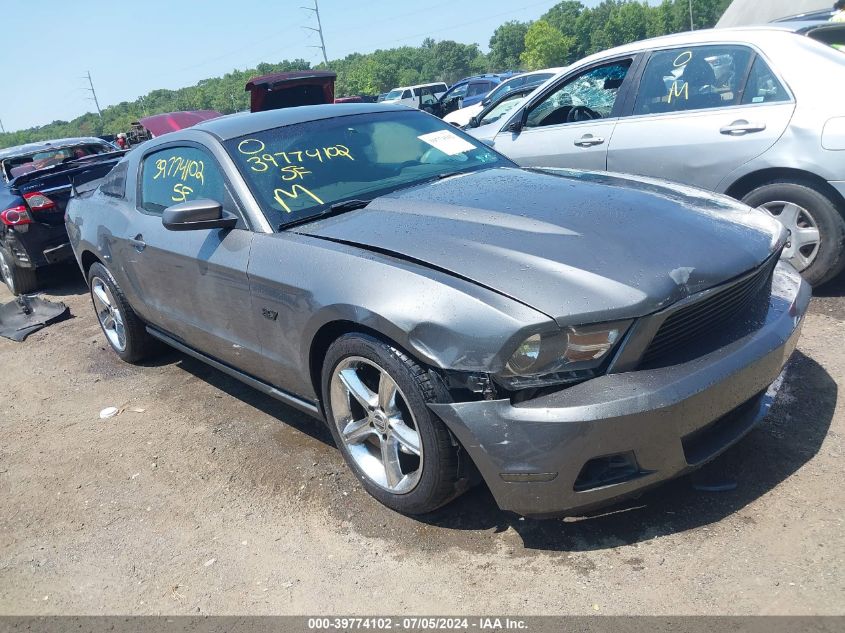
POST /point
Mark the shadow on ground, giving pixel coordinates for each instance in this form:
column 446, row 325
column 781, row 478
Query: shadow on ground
column 62, row 280
column 235, row 388
column 786, row 440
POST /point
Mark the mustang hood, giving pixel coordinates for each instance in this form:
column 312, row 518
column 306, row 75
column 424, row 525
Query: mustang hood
column 578, row 246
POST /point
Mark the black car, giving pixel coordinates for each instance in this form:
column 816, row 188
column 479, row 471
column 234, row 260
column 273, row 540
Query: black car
column 35, row 184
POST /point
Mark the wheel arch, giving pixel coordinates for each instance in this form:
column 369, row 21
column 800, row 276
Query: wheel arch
column 88, row 259
column 332, row 330
column 748, row 183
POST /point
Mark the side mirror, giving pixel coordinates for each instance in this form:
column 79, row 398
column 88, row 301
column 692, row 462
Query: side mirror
column 517, row 125
column 473, row 122
column 197, row 214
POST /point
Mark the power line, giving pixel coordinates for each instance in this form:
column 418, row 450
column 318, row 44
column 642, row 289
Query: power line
column 319, row 30
column 94, row 93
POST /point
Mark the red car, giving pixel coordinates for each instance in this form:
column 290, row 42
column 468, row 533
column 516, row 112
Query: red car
column 287, row 90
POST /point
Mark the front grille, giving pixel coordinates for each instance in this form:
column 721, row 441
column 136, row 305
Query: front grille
column 715, row 312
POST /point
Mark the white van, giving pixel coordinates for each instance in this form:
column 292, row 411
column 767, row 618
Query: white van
column 413, row 96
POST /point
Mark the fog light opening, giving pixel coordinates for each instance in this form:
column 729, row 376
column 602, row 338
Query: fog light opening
column 607, row 470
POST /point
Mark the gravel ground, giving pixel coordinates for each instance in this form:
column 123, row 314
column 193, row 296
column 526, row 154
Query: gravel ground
column 218, row 500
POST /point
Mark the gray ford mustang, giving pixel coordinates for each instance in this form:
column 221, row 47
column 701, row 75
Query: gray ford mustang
column 569, row 337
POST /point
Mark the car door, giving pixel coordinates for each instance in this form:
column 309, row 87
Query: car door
column 571, row 122
column 193, row 283
column 476, row 92
column 452, row 98
column 700, row 112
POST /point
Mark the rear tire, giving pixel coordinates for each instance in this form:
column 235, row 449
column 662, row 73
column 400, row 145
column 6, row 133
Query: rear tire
column 817, row 210
column 402, row 453
column 20, row 281
column 124, row 330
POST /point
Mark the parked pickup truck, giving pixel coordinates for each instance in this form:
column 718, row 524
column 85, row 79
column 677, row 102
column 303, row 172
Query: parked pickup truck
column 36, row 181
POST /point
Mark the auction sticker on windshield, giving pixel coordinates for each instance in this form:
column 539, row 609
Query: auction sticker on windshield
column 447, row 142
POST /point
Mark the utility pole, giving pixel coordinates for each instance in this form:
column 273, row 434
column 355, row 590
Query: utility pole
column 691, row 25
column 319, row 30
column 2, row 129
column 93, row 92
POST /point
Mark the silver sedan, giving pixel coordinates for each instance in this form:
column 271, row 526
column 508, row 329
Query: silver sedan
column 756, row 113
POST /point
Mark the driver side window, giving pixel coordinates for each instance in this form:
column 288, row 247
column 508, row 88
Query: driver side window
column 457, row 93
column 590, row 95
column 179, row 174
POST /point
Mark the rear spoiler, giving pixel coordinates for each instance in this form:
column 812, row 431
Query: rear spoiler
column 87, row 181
column 69, row 168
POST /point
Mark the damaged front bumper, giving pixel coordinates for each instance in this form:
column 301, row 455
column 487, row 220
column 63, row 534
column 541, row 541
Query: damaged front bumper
column 612, row 436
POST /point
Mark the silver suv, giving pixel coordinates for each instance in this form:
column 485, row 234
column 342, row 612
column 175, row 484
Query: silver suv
column 755, row 113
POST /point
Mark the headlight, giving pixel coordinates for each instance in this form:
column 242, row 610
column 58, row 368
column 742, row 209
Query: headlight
column 526, row 355
column 569, row 355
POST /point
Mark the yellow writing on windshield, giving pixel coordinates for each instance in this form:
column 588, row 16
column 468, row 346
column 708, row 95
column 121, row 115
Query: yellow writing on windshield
column 293, row 194
column 292, row 172
column 261, row 160
column 181, row 192
column 683, row 59
column 250, row 146
column 180, row 167
column 676, row 91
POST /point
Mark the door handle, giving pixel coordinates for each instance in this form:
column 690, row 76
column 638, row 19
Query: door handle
column 738, row 128
column 588, row 140
column 138, row 242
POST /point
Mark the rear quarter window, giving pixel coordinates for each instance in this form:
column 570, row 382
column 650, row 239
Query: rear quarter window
column 763, row 86
column 114, row 184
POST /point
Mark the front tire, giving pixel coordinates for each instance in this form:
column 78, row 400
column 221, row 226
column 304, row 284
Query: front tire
column 124, row 330
column 816, row 245
column 375, row 402
column 20, row 281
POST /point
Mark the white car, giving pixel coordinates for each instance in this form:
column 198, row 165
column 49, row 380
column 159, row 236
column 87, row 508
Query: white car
column 535, row 78
column 414, row 96
column 753, row 113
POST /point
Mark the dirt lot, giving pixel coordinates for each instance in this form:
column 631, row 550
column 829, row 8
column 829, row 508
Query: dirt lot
column 218, row 500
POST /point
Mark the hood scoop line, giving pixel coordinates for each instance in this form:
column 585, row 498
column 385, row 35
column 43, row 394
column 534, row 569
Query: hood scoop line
column 419, row 262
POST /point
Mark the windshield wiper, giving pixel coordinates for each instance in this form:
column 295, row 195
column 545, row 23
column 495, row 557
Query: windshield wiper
column 334, row 209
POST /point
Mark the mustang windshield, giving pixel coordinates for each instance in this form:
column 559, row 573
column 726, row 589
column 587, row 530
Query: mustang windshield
column 300, row 171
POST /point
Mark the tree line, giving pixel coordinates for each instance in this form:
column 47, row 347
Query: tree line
column 565, row 33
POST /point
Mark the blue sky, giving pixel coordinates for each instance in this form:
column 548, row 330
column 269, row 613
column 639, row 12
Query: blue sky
column 52, row 43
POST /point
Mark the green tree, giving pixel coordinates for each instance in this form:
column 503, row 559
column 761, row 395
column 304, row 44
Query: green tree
column 449, row 61
column 545, row 46
column 565, row 33
column 564, row 15
column 506, row 45
column 627, row 23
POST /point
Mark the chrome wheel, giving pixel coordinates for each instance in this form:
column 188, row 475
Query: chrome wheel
column 802, row 246
column 376, row 425
column 109, row 314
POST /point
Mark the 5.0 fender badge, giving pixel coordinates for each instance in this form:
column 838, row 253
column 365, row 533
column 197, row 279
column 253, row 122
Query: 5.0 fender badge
column 269, row 314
